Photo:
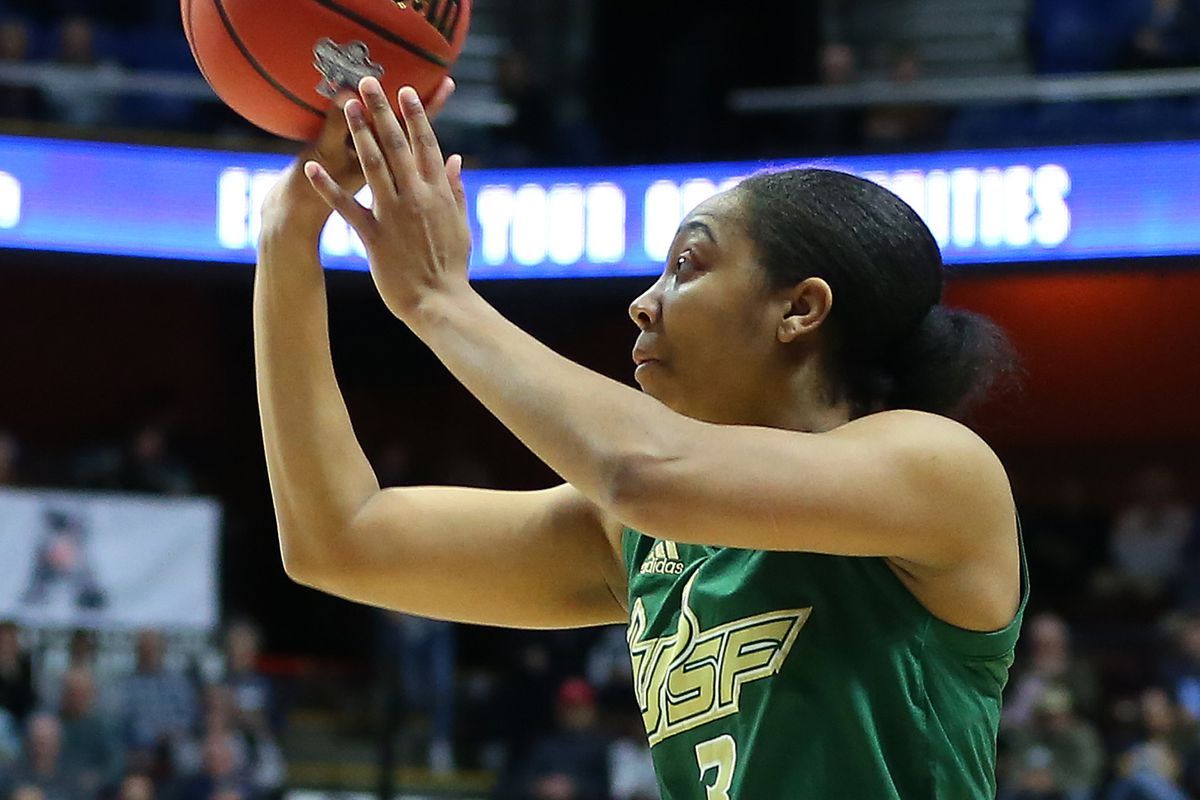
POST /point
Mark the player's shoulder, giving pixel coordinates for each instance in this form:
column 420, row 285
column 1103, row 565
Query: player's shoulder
column 942, row 448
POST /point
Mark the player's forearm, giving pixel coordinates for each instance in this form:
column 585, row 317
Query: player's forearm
column 319, row 476
column 593, row 431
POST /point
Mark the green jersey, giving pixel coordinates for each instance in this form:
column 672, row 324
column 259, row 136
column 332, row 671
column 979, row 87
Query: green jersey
column 790, row 676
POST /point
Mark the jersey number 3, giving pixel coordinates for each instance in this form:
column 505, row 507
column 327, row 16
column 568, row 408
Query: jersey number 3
column 722, row 754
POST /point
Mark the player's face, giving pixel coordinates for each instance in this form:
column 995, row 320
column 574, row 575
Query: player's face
column 708, row 344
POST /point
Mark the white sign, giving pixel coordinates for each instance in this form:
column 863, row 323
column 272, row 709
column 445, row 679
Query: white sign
column 108, row 561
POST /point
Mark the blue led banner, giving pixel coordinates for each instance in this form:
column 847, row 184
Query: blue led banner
column 1034, row 205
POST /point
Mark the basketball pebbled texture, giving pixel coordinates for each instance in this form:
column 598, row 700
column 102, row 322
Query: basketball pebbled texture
column 277, row 62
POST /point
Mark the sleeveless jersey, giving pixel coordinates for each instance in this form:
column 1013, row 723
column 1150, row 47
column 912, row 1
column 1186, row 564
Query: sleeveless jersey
column 795, row 676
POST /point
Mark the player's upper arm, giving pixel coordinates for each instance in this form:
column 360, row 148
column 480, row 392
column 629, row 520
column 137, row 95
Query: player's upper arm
column 546, row 559
column 898, row 484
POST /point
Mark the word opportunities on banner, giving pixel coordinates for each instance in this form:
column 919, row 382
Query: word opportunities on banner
column 984, row 207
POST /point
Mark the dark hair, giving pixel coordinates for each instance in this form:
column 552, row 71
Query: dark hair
column 893, row 344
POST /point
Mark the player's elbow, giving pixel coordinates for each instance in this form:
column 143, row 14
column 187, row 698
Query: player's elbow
column 303, row 566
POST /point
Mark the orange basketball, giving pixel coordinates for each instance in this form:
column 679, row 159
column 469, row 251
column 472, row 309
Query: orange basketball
column 279, row 63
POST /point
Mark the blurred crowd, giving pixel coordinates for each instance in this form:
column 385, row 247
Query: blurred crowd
column 585, row 120
column 77, row 722
column 1103, row 702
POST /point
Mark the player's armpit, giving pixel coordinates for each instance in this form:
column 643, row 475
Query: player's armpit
column 546, row 559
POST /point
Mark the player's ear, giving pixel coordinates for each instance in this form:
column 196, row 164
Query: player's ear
column 808, row 305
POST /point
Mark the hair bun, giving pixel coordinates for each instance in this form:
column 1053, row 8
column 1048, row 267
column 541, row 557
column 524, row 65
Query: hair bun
column 952, row 358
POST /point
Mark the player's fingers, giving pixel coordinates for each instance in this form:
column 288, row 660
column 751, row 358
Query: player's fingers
column 441, row 97
column 388, row 129
column 454, row 168
column 426, row 150
column 375, row 166
column 358, row 216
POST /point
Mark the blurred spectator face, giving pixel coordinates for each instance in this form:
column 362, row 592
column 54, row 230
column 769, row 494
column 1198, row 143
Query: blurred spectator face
column 242, row 645
column 45, row 741
column 83, row 647
column 1189, row 638
column 1156, row 488
column 838, row 66
column 228, row 794
column 14, row 45
column 79, row 693
column 1048, row 633
column 576, row 705
column 10, row 642
column 77, row 43
column 1159, row 714
column 150, row 647
column 907, row 68
column 27, row 793
column 554, row 787
column 218, row 756
column 137, row 787
column 218, row 708
column 1053, row 711
column 512, row 74
column 150, row 444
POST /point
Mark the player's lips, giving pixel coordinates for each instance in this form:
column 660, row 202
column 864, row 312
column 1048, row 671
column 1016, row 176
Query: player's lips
column 641, row 357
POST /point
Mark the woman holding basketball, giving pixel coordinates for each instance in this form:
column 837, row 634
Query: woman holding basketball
column 821, row 571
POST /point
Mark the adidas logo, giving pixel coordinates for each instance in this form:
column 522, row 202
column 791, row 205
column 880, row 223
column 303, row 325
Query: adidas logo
column 663, row 560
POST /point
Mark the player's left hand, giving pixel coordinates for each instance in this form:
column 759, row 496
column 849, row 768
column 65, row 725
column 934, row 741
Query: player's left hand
column 416, row 232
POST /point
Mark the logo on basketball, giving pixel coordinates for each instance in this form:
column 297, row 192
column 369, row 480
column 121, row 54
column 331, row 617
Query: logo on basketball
column 343, row 65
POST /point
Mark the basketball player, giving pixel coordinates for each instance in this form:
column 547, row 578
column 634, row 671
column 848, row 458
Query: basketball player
column 820, row 569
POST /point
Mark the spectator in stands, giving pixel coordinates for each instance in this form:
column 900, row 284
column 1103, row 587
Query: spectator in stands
column 532, row 139
column 81, row 652
column 136, row 786
column 219, row 772
column 77, row 102
column 1181, row 671
column 1035, row 779
column 27, row 792
column 10, row 740
column 151, row 467
column 1067, row 543
column 17, row 101
column 425, row 651
column 8, row 442
column 91, row 748
column 901, row 125
column 1050, row 663
column 256, row 760
column 1169, row 37
column 572, row 762
column 1151, row 536
column 160, row 705
column 630, row 768
column 253, row 697
column 16, row 675
column 1076, row 755
column 835, row 129
column 1148, row 772
column 40, row 765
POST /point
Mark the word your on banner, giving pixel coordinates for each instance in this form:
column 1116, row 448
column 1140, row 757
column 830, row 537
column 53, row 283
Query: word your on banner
column 108, row 561
column 984, row 207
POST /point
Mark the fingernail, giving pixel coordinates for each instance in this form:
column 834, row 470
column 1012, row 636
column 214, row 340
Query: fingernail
column 354, row 111
column 409, row 96
column 370, row 85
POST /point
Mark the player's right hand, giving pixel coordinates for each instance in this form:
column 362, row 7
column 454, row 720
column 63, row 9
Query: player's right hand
column 293, row 198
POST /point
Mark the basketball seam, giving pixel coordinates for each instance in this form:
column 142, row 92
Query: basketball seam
column 253, row 62
column 384, row 33
column 188, row 27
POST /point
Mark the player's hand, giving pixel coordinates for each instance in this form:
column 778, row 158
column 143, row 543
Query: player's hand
column 416, row 233
column 334, row 150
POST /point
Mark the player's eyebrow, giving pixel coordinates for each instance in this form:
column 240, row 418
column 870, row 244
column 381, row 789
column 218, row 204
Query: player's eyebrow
column 696, row 225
